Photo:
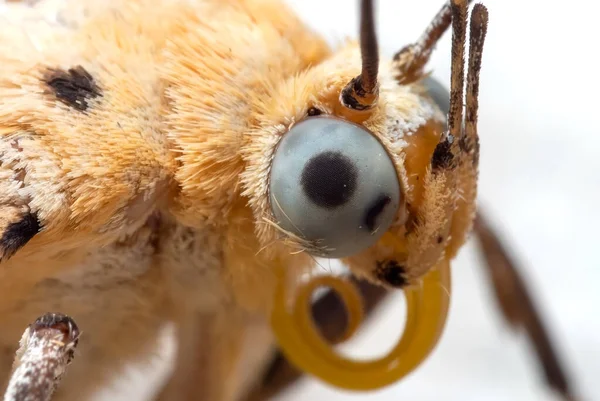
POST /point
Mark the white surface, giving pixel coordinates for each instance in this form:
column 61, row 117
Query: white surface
column 540, row 179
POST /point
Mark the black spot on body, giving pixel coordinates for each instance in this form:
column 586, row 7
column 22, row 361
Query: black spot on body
column 392, row 273
column 73, row 87
column 440, row 239
column 375, row 210
column 329, row 179
column 442, row 155
column 18, row 234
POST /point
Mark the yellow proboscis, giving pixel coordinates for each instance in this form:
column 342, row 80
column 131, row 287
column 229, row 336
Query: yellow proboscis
column 427, row 309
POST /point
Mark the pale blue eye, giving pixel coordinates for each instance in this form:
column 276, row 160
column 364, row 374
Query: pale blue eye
column 334, row 185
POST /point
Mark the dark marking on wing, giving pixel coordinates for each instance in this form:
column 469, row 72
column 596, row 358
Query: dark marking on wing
column 17, row 234
column 73, row 87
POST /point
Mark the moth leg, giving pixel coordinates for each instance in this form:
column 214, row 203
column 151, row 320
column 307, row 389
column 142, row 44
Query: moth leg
column 517, row 305
column 330, row 317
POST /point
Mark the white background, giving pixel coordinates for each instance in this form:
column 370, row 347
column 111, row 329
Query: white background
column 540, row 180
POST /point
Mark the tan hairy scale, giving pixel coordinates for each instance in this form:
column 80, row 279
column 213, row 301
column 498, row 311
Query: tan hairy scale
column 153, row 201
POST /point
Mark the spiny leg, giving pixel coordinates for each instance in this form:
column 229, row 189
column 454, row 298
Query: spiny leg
column 517, row 306
column 329, row 316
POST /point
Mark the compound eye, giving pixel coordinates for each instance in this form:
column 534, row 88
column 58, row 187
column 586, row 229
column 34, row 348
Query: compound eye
column 334, row 185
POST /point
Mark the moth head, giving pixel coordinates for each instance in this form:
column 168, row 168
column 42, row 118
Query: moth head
column 358, row 166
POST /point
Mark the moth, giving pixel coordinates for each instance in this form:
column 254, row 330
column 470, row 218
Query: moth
column 160, row 159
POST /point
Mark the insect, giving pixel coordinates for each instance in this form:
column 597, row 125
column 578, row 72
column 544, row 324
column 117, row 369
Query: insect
column 162, row 159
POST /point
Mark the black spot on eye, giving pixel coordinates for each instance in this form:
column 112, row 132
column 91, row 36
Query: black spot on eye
column 391, row 272
column 73, row 87
column 18, row 234
column 313, row 111
column 375, row 210
column 442, row 155
column 329, row 179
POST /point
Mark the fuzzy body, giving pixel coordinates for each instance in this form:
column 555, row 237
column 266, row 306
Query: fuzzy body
column 137, row 137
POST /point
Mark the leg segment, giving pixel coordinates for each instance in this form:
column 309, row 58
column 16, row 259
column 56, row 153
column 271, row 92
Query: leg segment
column 517, row 305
